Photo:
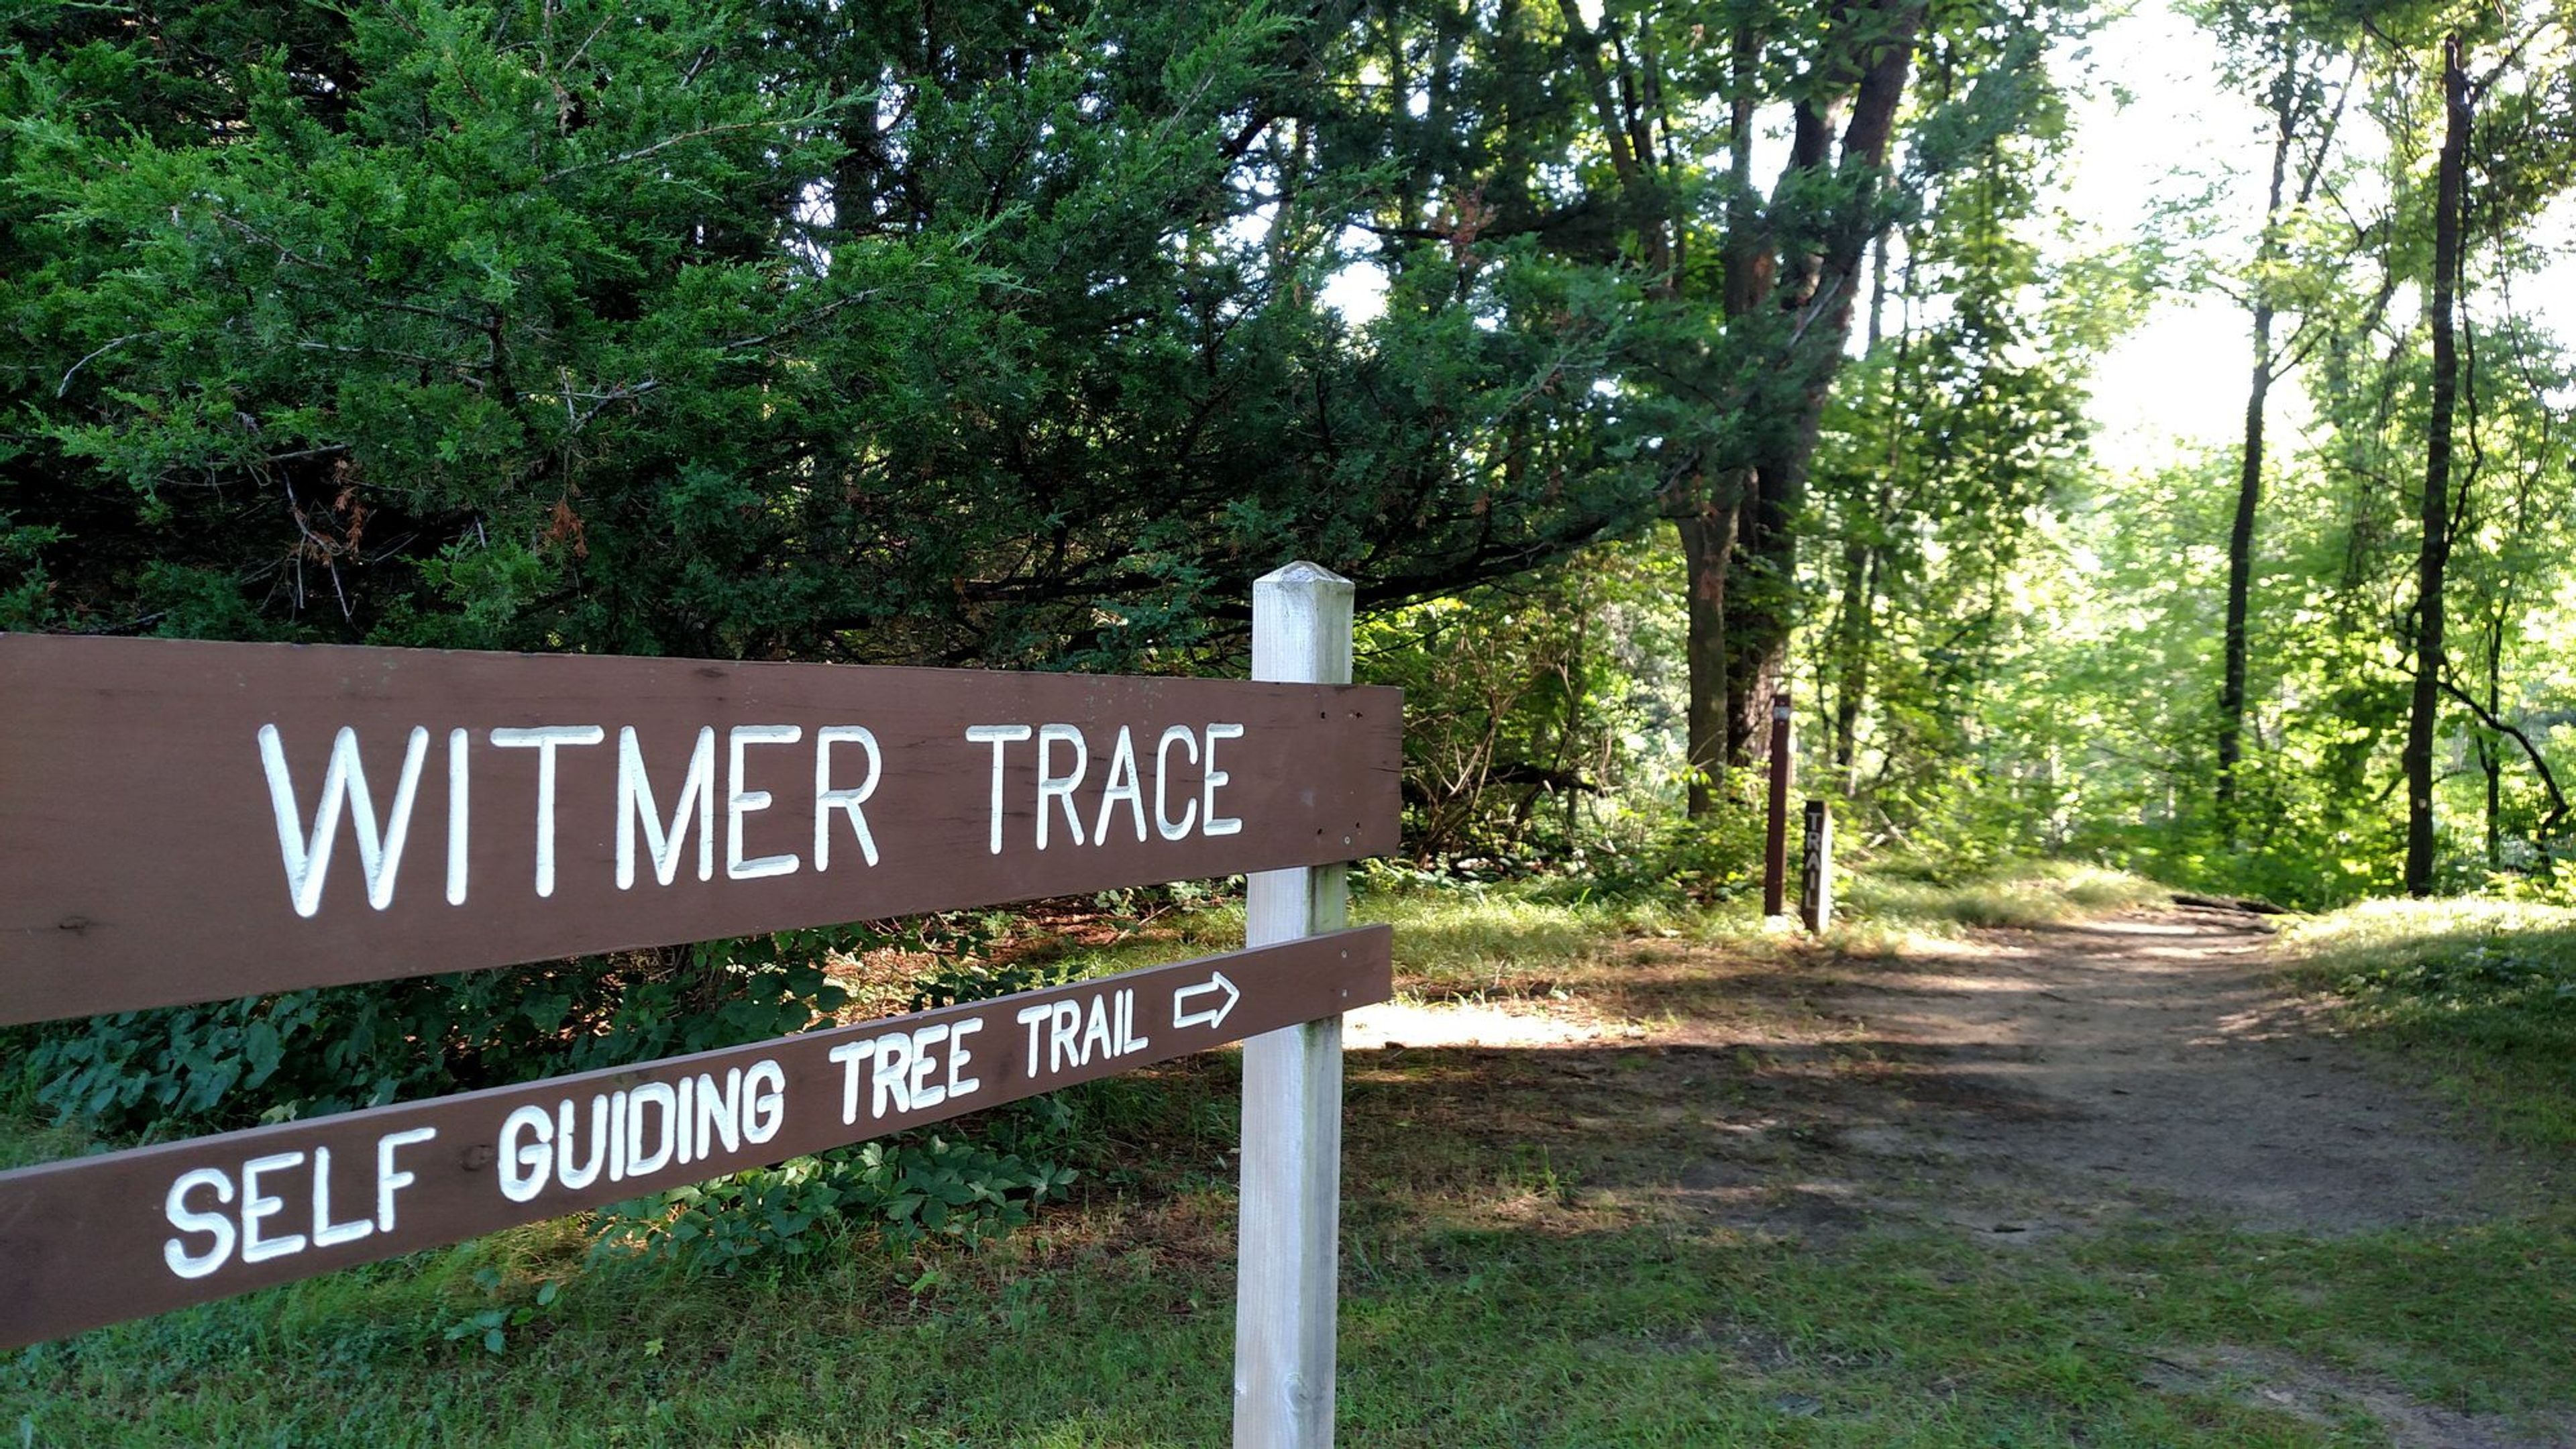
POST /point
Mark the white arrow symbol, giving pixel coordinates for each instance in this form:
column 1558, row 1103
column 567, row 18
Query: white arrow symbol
column 1216, row 1017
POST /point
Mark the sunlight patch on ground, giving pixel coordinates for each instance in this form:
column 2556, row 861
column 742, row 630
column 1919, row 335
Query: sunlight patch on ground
column 1407, row 1024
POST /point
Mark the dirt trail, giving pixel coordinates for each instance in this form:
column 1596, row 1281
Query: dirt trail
column 2018, row 1086
column 2145, row 1063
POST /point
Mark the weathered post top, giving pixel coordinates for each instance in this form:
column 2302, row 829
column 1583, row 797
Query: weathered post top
column 1301, row 631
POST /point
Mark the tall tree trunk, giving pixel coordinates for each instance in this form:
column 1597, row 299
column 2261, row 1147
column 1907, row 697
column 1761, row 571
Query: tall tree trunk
column 2434, row 556
column 2249, row 478
column 2490, row 745
column 1864, row 558
column 1761, row 610
column 1816, row 287
column 2240, row 574
column 1851, row 643
column 1708, row 539
column 1706, row 517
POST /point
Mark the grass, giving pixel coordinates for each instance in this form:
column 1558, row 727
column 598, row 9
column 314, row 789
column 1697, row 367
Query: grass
column 1479, row 938
column 1451, row 941
column 1470, row 1317
column 1517, row 1269
column 2040, row 893
column 2478, row 993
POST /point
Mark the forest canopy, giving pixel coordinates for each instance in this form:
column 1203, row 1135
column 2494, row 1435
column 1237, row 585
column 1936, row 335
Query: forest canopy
column 1644, row 364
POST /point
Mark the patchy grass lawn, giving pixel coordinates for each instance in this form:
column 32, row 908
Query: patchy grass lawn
column 2039, row 893
column 1604, row 1244
column 2479, row 994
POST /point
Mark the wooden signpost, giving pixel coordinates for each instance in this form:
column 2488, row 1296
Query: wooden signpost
column 96, row 1240
column 186, row 822
column 1816, row 893
column 1775, row 842
column 194, row 822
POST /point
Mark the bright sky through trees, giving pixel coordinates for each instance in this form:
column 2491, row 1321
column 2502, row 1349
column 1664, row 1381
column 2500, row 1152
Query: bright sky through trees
column 2153, row 123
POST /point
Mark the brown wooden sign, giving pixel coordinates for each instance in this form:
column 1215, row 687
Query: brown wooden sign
column 190, row 821
column 101, row 1239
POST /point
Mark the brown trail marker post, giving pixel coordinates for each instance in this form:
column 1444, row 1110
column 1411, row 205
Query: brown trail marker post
column 186, row 822
column 1775, row 851
column 1816, row 893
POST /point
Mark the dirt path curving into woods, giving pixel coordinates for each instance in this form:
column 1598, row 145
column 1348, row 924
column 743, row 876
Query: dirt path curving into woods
column 2145, row 1064
column 2027, row 1083
column 2018, row 1087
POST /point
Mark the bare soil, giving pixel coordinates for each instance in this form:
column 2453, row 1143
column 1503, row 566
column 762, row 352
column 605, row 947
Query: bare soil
column 2016, row 1085
column 2024, row 1083
column 2149, row 1064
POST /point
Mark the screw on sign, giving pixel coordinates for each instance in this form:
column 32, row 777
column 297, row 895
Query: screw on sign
column 185, row 822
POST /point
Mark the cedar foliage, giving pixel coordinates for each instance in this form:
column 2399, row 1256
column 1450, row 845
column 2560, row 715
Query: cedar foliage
column 712, row 327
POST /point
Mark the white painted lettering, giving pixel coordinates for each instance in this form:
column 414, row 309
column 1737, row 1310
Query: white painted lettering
column 326, row 1233
column 1059, row 788
column 1211, row 823
column 617, row 1137
column 458, row 814
column 1034, row 1018
column 600, row 1130
column 1001, row 737
column 827, row 799
column 527, row 1152
column 257, row 1207
column 1064, row 1035
column 1123, row 785
column 926, row 1094
column 697, row 804
column 218, row 1226
column 764, row 1107
column 640, row 1159
column 344, row 783
column 545, row 740
column 1096, row 1030
column 388, row 1180
column 893, row 1077
column 720, row 1112
column 1173, row 829
column 740, row 802
column 958, row 1057
column 849, row 1054
column 1127, row 1024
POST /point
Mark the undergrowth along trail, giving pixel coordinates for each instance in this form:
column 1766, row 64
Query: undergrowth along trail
column 1618, row 1174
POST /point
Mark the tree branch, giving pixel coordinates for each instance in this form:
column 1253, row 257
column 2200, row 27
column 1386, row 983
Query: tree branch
column 2539, row 764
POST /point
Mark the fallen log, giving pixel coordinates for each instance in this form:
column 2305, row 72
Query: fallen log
column 2250, row 905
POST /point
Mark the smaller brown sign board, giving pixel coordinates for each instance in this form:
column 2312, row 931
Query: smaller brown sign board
column 186, row 821
column 102, row 1239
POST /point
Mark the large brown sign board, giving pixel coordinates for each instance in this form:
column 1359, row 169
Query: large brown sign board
column 194, row 821
column 98, row 1240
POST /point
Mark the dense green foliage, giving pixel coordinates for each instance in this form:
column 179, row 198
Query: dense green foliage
column 708, row 327
column 1515, row 1273
column 198, row 1068
column 1027, row 337
column 731, row 329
